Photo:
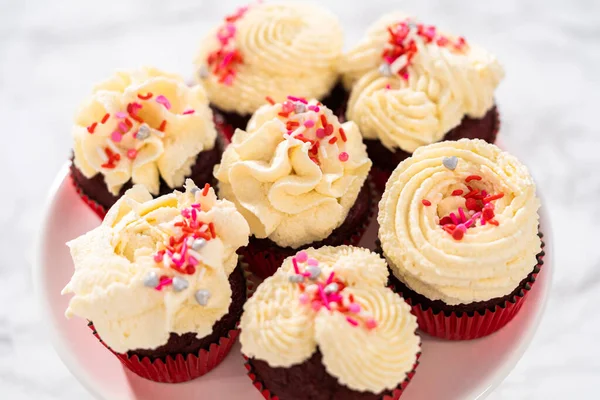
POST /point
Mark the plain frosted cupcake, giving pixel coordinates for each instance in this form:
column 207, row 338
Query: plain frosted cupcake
column 269, row 49
column 143, row 127
column 459, row 228
column 325, row 326
column 412, row 85
column 298, row 177
column 160, row 281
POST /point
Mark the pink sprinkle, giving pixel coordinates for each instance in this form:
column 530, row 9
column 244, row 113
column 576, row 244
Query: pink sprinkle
column 405, row 76
column 343, row 156
column 135, row 107
column 371, row 323
column 321, row 133
column 197, row 206
column 482, row 221
column 192, row 261
column 164, row 101
column 388, row 86
column 116, row 136
column 186, row 112
column 461, row 213
column 316, row 305
column 330, row 279
column 194, row 214
column 185, row 213
column 163, row 283
column 132, row 154
column 484, row 193
column 323, row 296
column 354, row 308
column 228, row 80
column 123, row 127
column 121, row 115
column 303, row 298
column 454, row 219
column 352, row 321
column 296, row 269
column 302, row 256
column 335, row 297
column 309, row 124
column 300, row 99
column 158, row 257
column 312, row 262
column 314, row 108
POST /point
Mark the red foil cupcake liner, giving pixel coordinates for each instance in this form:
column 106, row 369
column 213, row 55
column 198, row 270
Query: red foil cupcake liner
column 184, row 367
column 264, row 262
column 462, row 326
column 380, row 176
column 393, row 395
column 97, row 208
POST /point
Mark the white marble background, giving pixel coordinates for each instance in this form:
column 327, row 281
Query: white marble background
column 51, row 52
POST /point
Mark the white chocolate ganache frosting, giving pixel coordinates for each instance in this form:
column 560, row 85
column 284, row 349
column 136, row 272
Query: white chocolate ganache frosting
column 295, row 172
column 410, row 83
column 270, row 49
column 157, row 266
column 336, row 299
column 459, row 222
column 142, row 125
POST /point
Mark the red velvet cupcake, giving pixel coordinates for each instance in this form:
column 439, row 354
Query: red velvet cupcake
column 459, row 228
column 270, row 49
column 299, row 178
column 160, row 283
column 325, row 326
column 411, row 85
column 142, row 127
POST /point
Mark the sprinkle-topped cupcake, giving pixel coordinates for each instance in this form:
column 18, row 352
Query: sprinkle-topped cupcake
column 326, row 317
column 459, row 227
column 412, row 85
column 142, row 127
column 269, row 49
column 298, row 176
column 159, row 279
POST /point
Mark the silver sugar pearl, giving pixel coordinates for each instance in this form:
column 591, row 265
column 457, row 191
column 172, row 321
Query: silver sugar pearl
column 198, row 244
column 203, row 72
column 331, row 288
column 450, row 162
column 295, row 278
column 385, row 69
column 202, row 296
column 179, row 284
column 299, row 108
column 314, row 271
column 143, row 132
column 151, row 279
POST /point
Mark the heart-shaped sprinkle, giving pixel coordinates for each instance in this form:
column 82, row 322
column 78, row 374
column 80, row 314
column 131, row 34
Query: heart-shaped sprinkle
column 198, row 244
column 314, row 271
column 296, row 278
column 179, row 284
column 202, row 296
column 450, row 162
column 151, row 279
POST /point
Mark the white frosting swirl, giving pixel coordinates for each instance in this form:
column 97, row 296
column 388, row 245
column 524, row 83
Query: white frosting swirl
column 169, row 154
column 489, row 261
column 113, row 261
column 270, row 175
column 444, row 84
column 287, row 47
column 280, row 330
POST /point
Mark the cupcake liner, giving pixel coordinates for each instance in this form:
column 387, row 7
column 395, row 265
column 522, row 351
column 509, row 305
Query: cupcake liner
column 184, row 367
column 264, row 262
column 225, row 129
column 467, row 326
column 389, row 395
column 97, row 208
column 380, row 175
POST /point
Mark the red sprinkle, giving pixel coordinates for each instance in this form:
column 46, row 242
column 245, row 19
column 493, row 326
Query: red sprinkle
column 145, row 97
column 426, row 202
column 132, row 153
column 343, row 156
column 494, row 197
column 333, row 140
column 473, row 178
column 162, row 125
column 205, row 189
column 211, row 226
column 270, row 100
column 343, row 134
column 458, row 233
column 457, row 192
column 92, row 127
column 323, row 120
column 471, row 204
column 105, row 118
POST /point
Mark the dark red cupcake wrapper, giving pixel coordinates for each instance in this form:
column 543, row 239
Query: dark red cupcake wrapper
column 264, row 263
column 393, row 395
column 467, row 326
column 97, row 208
column 381, row 176
column 183, row 367
column 223, row 127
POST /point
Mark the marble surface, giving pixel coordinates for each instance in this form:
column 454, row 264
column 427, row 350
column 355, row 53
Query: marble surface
column 52, row 52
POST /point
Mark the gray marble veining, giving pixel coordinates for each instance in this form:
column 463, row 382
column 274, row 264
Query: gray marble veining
column 52, row 52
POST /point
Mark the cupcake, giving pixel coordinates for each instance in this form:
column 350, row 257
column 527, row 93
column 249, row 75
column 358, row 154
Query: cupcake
column 298, row 177
column 270, row 49
column 160, row 283
column 325, row 326
column 412, row 85
column 142, row 127
column 459, row 228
